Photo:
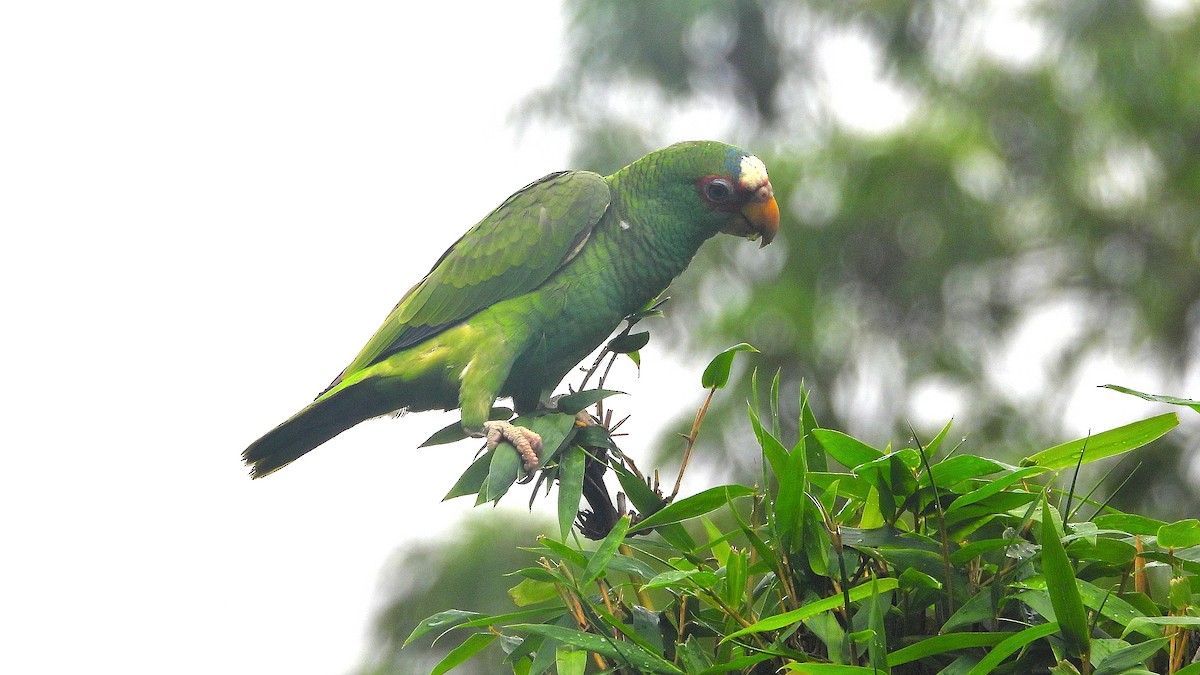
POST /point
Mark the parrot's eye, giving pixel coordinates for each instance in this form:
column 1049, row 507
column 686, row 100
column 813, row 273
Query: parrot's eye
column 718, row 190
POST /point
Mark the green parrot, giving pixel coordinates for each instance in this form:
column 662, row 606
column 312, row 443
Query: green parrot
column 531, row 290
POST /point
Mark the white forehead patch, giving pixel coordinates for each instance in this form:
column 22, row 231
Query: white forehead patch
column 752, row 172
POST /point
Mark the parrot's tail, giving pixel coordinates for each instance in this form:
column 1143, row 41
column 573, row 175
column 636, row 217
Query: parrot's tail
column 324, row 418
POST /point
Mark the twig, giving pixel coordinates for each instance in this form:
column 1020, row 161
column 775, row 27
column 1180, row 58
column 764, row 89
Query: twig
column 691, row 441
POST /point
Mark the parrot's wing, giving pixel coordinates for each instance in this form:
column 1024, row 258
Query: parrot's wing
column 513, row 250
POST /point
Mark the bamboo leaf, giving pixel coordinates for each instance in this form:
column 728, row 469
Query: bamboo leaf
column 581, row 400
column 695, row 505
column 462, row 653
column 1104, row 444
column 857, row 594
column 570, row 487
column 629, row 652
column 440, row 622
column 630, row 342
column 1174, row 400
column 1180, row 534
column 606, row 550
column 846, row 449
column 1011, row 645
column 716, row 374
column 1062, row 587
column 940, row 644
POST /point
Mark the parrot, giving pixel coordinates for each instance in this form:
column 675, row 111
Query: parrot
column 531, row 290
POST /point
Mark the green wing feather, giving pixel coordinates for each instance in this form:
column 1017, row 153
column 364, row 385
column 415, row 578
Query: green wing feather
column 512, row 251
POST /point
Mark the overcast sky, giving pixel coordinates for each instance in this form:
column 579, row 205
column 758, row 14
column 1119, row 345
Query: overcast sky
column 208, row 208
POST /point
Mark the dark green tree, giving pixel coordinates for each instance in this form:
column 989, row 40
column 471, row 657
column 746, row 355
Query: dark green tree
column 1044, row 192
column 461, row 570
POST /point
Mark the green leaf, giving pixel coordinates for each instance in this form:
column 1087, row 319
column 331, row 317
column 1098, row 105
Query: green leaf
column 1194, row 405
column 632, row 566
column 581, row 400
column 740, row 663
column 716, row 374
column 1130, row 657
column 1012, row 645
column 570, row 487
column 877, row 606
column 954, row 470
column 940, row 644
column 1142, row 621
column 605, row 551
column 1102, row 549
column 675, row 578
column 503, row 470
column 695, row 505
column 872, row 515
column 981, row 608
column 977, row 548
column 816, row 538
column 647, row 501
column 774, row 452
column 454, row 432
column 564, row 552
column 630, row 342
column 531, row 592
column 988, row 489
column 1104, row 444
column 857, row 594
column 1062, row 587
column 830, row 669
column 556, row 429
column 628, row 652
column 848, row 485
column 718, row 542
column 594, row 436
column 472, row 479
column 643, row 498
column 646, row 626
column 790, row 498
column 540, row 614
column 1180, row 534
column 735, row 577
column 848, row 450
column 462, row 653
column 1109, row 605
column 814, row 452
column 441, row 621
column 1129, row 522
column 570, row 661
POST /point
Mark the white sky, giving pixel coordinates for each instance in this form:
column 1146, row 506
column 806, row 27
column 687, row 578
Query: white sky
column 207, row 209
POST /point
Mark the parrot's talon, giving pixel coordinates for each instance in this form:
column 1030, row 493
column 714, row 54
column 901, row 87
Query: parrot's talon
column 527, row 442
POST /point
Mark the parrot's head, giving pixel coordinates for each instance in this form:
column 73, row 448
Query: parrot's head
column 723, row 188
column 744, row 192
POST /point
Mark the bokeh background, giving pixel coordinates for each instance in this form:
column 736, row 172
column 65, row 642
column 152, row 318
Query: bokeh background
column 990, row 208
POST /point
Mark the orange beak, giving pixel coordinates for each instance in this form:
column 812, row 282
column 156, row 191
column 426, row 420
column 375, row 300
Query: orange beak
column 760, row 217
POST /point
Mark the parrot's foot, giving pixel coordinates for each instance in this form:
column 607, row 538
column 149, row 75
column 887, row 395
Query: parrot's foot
column 528, row 443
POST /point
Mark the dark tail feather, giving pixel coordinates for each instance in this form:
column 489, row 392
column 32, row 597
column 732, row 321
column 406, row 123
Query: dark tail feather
column 320, row 421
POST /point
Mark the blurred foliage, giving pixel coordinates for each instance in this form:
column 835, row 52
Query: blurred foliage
column 1028, row 208
column 459, row 570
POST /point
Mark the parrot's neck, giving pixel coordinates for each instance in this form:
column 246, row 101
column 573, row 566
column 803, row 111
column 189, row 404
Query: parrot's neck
column 636, row 252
